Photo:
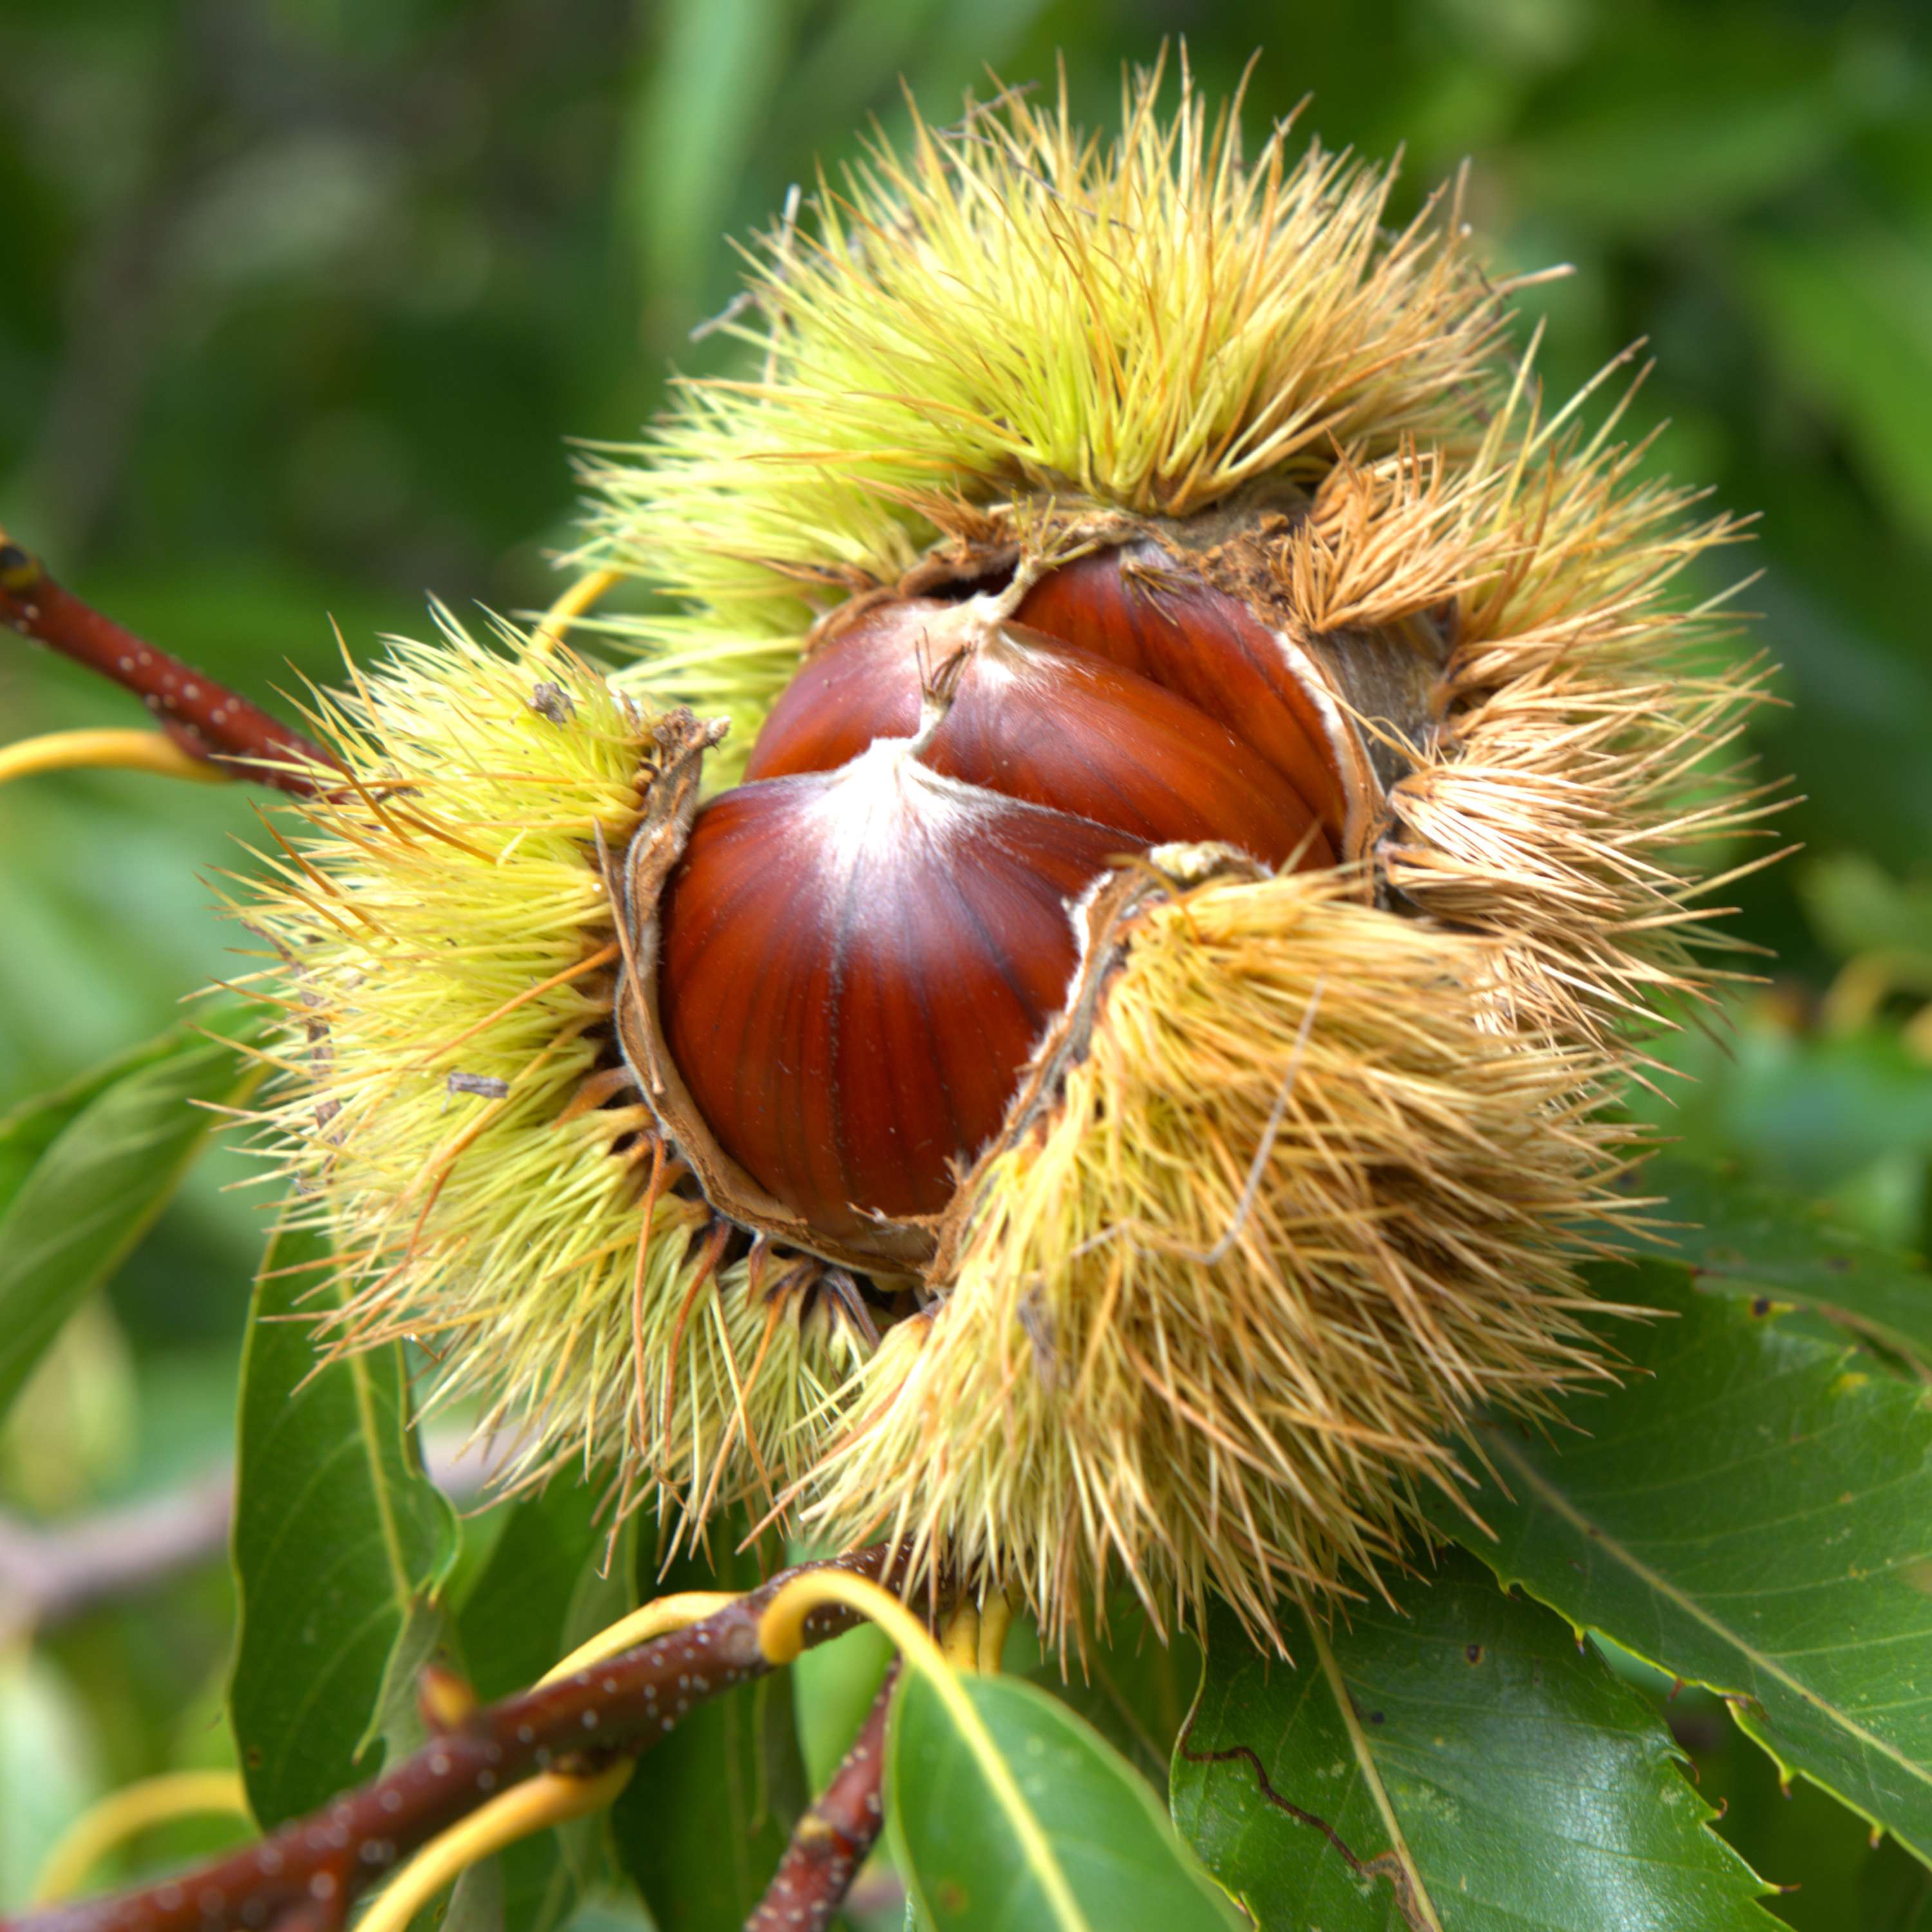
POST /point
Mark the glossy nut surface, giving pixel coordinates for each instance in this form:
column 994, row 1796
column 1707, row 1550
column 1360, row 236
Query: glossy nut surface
column 863, row 684
column 1028, row 717
column 855, row 967
column 1132, row 607
column 862, row 947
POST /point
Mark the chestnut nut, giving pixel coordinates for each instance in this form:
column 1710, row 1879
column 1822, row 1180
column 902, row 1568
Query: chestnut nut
column 862, row 945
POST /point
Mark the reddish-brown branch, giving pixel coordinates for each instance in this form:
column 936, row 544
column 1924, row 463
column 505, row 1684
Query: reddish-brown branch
column 202, row 717
column 830, row 1842
column 309, row 1872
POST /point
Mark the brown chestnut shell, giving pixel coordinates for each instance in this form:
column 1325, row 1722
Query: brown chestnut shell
column 1135, row 607
column 1024, row 716
column 848, row 978
column 855, row 966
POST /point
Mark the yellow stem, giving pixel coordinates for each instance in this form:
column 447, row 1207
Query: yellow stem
column 995, row 1620
column 781, row 1637
column 137, row 1808
column 549, row 1798
column 653, row 1619
column 959, row 1643
column 578, row 598
column 118, row 750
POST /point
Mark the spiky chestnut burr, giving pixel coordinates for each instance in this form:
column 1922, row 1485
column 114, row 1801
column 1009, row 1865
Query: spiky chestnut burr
column 1173, row 1229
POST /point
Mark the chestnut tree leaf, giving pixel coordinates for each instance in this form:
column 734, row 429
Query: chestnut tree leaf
column 29, row 1128
column 1058, row 1831
column 701, row 1825
column 89, row 1168
column 1134, row 1689
column 1750, row 1510
column 1451, row 1761
column 1842, row 308
column 1669, row 132
column 547, row 1587
column 832, row 1687
column 1742, row 1237
column 1815, row 1113
column 340, row 1545
column 516, row 1618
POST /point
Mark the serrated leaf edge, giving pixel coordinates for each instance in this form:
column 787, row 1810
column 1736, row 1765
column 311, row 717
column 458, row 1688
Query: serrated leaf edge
column 1738, row 1701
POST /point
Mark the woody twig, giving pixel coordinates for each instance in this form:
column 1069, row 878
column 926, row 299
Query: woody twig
column 309, row 1872
column 830, row 1842
column 204, row 718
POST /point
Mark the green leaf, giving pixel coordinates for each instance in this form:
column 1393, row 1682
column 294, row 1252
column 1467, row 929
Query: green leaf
column 515, row 1619
column 534, row 1885
column 832, row 1687
column 29, row 1129
column 340, row 1545
column 1808, row 1111
column 706, row 101
column 1760, row 1244
column 1132, row 1687
column 102, row 1172
column 1451, row 1761
column 1673, row 125
column 395, row 1722
column 611, row 1911
column 1843, row 309
column 1856, row 907
column 1752, row 1510
column 545, row 1589
column 1055, row 1831
column 701, row 1825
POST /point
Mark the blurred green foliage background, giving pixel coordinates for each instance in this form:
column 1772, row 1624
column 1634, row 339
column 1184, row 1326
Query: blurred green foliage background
column 300, row 299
